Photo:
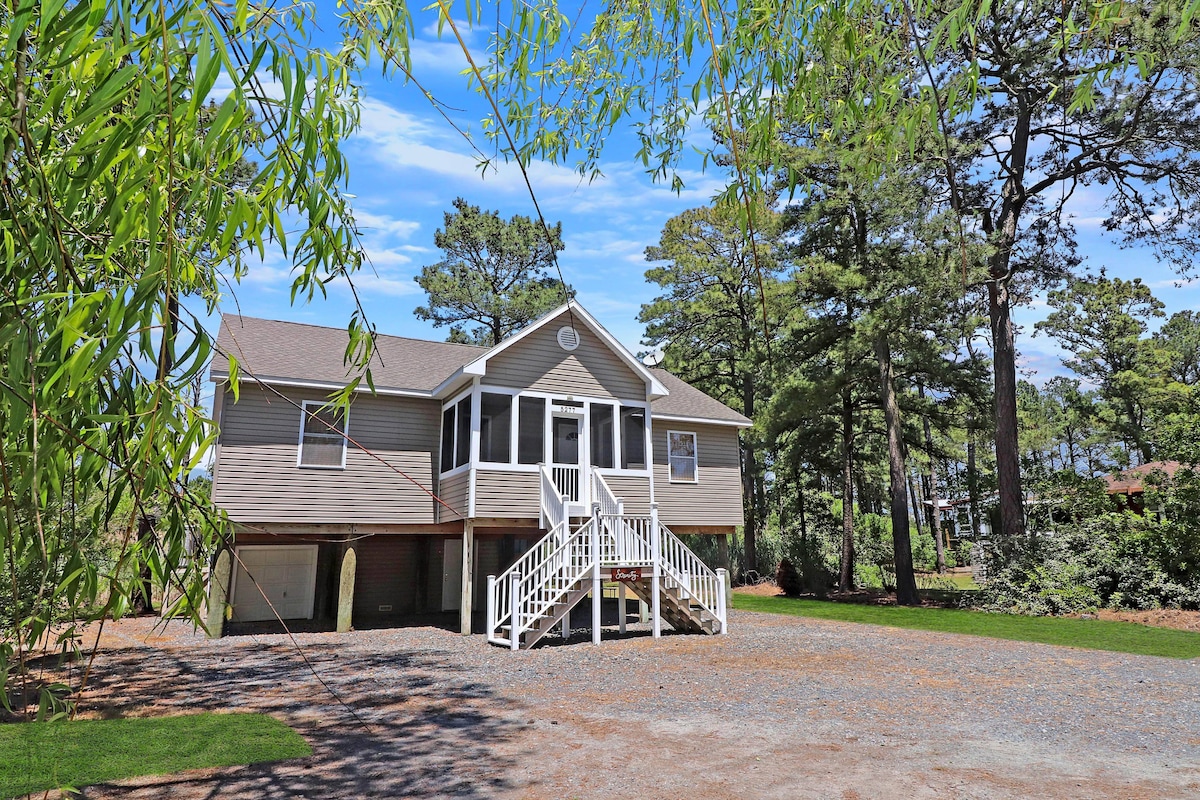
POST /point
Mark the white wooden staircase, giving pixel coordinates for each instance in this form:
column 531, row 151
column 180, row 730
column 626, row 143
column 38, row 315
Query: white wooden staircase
column 537, row 593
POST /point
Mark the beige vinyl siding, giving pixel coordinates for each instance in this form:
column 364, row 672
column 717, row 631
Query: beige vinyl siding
column 716, row 499
column 633, row 490
column 537, row 362
column 257, row 480
column 455, row 492
column 507, row 494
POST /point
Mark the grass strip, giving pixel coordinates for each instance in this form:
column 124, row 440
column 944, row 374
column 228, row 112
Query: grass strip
column 1120, row 637
column 40, row 756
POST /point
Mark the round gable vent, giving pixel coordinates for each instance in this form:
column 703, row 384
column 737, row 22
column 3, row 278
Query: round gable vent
column 568, row 338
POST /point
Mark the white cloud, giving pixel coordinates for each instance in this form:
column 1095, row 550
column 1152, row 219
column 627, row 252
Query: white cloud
column 442, row 57
column 406, row 142
column 382, row 225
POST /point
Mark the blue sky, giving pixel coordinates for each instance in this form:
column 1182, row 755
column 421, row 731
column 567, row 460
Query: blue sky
column 407, row 165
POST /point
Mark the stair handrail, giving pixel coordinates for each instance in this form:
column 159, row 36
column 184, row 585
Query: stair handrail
column 553, row 501
column 544, row 574
column 608, row 509
column 690, row 573
column 499, row 600
column 609, row 502
column 678, row 563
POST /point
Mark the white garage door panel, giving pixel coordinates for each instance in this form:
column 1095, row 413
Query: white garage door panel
column 286, row 574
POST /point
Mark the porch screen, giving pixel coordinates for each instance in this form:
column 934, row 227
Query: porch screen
column 602, row 436
column 462, row 444
column 448, row 439
column 495, row 428
column 633, row 438
column 531, row 430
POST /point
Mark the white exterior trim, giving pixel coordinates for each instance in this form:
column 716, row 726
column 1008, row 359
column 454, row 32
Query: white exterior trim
column 702, row 421
column 363, row 388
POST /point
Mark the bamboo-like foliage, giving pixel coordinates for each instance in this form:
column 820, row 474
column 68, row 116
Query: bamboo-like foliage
column 125, row 201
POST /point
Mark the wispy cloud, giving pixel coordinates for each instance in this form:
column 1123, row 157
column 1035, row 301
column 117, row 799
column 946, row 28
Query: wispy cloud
column 408, row 143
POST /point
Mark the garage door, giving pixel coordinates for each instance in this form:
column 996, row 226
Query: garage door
column 286, row 574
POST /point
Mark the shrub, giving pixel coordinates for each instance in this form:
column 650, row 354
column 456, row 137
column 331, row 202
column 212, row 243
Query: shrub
column 1116, row 560
column 787, row 578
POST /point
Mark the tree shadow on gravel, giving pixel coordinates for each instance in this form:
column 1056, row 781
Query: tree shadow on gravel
column 420, row 726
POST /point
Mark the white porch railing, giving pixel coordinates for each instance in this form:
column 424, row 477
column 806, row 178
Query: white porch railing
column 536, row 586
column 553, row 502
column 566, row 479
column 540, row 579
column 684, row 568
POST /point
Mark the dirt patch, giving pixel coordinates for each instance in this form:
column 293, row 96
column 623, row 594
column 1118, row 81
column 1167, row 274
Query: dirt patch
column 764, row 589
column 1159, row 618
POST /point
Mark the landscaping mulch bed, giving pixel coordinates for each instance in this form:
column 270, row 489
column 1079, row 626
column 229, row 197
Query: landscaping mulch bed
column 783, row 707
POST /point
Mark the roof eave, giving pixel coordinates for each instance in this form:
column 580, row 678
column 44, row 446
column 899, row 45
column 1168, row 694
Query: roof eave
column 732, row 423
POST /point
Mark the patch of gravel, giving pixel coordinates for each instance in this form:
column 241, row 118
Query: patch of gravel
column 782, row 707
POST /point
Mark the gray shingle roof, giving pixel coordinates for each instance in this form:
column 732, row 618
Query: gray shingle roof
column 293, row 351
column 686, row 400
column 271, row 349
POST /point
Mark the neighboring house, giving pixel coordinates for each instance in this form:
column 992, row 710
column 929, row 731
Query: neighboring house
column 1128, row 487
column 460, row 462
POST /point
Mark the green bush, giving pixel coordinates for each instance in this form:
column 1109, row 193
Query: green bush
column 1115, row 560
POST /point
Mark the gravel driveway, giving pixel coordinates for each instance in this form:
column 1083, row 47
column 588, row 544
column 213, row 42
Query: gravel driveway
column 781, row 708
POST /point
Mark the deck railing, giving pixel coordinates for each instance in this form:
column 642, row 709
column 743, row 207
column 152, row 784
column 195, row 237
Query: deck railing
column 566, row 480
column 553, row 502
column 538, row 580
column 544, row 575
column 686, row 569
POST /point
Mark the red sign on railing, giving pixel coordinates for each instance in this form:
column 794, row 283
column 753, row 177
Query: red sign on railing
column 627, row 574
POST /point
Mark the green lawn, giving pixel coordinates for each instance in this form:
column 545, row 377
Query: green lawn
column 37, row 756
column 1122, row 637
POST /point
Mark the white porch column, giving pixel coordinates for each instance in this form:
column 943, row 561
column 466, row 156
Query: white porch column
column 468, row 570
column 597, row 586
column 656, row 571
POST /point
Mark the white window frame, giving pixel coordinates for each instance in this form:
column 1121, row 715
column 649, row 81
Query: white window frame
column 442, row 471
column 547, row 444
column 695, row 457
column 344, row 435
column 513, row 414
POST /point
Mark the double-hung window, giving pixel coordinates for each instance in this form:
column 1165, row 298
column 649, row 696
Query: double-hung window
column 681, row 456
column 322, row 436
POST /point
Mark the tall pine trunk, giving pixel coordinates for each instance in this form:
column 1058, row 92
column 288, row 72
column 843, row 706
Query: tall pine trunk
column 846, row 573
column 1003, row 236
column 972, row 478
column 755, row 499
column 906, row 581
column 915, row 503
column 935, row 520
